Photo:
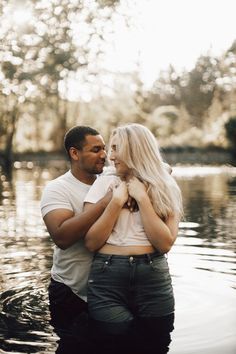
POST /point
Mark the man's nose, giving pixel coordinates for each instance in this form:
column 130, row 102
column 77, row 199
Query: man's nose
column 103, row 154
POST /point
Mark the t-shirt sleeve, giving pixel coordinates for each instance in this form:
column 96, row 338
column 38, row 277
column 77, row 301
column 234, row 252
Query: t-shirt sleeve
column 54, row 197
column 98, row 189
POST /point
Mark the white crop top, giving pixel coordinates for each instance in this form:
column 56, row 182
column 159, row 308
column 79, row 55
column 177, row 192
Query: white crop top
column 128, row 230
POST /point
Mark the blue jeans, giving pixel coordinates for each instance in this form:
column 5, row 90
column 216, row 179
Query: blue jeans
column 130, row 295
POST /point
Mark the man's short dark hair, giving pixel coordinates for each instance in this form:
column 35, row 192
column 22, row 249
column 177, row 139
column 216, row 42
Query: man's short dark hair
column 75, row 137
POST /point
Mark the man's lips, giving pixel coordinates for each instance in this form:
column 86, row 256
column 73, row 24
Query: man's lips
column 102, row 163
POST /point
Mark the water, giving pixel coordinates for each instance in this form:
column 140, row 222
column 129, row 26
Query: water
column 202, row 263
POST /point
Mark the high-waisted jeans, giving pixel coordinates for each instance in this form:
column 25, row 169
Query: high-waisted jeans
column 127, row 292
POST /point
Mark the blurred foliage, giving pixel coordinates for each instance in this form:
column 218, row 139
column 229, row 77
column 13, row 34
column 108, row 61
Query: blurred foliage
column 195, row 89
column 53, row 76
column 38, row 55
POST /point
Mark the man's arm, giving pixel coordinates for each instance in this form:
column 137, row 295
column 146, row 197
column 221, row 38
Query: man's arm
column 66, row 228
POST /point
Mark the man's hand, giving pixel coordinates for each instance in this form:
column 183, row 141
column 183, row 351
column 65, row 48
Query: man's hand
column 120, row 193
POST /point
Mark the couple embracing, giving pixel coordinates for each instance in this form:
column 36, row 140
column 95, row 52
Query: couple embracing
column 110, row 289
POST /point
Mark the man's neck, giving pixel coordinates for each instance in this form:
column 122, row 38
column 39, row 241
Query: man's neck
column 83, row 176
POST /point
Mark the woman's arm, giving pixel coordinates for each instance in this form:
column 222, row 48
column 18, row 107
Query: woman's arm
column 99, row 232
column 161, row 234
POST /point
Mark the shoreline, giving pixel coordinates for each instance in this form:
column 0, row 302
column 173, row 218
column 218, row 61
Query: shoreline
column 185, row 155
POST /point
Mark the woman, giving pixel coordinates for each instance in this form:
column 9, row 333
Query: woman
column 129, row 286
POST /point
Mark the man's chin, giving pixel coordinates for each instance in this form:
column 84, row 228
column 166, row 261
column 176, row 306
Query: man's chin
column 99, row 170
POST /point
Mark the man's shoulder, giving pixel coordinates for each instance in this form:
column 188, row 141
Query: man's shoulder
column 59, row 180
column 57, row 195
column 56, row 186
column 64, row 177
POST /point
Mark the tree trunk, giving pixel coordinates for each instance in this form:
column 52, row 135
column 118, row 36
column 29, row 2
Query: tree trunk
column 8, row 156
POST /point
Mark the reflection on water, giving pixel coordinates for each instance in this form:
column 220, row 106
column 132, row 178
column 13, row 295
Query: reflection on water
column 203, row 263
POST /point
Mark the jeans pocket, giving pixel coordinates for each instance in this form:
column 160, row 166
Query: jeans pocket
column 99, row 271
column 100, row 265
column 160, row 266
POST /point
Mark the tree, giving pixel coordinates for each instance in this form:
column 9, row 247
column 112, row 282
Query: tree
column 40, row 53
column 230, row 128
column 197, row 95
column 168, row 87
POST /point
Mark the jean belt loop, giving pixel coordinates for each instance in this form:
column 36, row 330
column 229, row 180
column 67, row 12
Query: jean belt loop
column 149, row 257
column 108, row 260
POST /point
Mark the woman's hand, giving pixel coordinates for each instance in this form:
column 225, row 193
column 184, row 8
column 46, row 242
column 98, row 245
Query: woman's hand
column 136, row 189
column 161, row 234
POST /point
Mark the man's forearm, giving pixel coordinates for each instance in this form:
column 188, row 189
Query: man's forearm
column 76, row 227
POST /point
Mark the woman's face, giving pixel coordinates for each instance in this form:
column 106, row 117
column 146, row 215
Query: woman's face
column 121, row 168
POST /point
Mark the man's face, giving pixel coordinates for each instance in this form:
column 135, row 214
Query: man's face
column 92, row 157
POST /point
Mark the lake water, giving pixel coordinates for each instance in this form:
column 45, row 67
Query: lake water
column 202, row 262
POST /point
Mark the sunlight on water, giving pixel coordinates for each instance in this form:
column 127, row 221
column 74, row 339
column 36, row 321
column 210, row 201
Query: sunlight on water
column 191, row 171
column 202, row 263
column 188, row 225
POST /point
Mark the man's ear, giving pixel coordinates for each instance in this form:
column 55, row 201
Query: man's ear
column 74, row 153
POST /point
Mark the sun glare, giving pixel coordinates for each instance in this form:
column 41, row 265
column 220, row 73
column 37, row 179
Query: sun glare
column 170, row 32
column 17, row 16
column 159, row 33
column 21, row 16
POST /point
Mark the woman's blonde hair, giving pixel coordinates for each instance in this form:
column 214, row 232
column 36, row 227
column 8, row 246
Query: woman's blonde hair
column 139, row 149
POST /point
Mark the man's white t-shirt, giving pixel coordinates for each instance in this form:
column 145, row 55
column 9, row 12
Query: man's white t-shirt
column 70, row 266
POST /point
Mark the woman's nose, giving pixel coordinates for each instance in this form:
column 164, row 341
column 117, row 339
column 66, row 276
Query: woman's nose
column 111, row 156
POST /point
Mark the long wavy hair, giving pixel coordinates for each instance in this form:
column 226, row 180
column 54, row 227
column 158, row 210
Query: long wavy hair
column 138, row 148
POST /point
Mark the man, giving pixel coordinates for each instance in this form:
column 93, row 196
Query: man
column 62, row 211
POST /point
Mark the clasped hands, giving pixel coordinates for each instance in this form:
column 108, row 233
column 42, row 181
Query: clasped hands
column 129, row 193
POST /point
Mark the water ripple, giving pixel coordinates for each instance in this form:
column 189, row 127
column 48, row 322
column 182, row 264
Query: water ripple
column 202, row 263
column 195, row 316
column 24, row 320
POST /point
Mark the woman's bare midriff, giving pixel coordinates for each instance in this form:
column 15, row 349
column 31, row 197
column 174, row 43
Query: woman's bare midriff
column 126, row 250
